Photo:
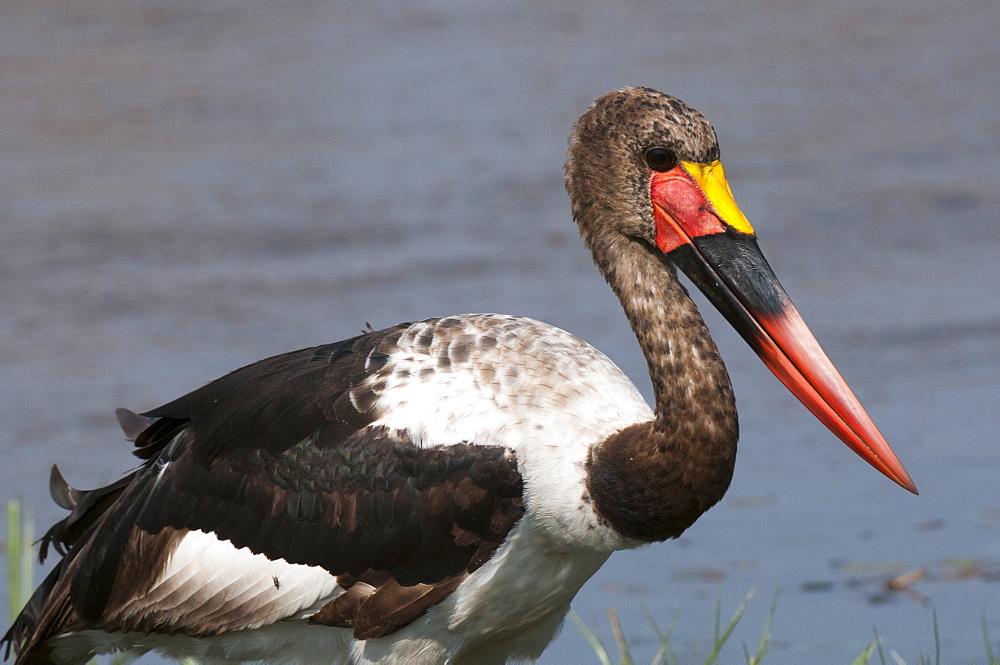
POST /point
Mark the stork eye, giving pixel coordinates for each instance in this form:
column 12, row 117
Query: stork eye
column 660, row 159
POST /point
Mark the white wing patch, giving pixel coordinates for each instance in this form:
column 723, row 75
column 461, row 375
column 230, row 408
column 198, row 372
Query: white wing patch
column 209, row 581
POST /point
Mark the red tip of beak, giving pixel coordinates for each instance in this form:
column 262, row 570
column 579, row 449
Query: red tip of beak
column 792, row 353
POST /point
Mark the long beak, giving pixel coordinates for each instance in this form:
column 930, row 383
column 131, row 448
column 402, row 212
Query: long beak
column 701, row 229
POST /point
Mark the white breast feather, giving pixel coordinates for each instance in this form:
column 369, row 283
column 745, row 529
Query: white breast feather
column 539, row 390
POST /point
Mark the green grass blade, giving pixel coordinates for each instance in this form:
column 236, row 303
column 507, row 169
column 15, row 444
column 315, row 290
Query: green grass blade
column 595, row 643
column 20, row 563
column 990, row 658
column 865, row 655
column 937, row 638
column 13, row 552
column 878, row 645
column 715, row 626
column 665, row 654
column 720, row 640
column 765, row 637
column 616, row 630
column 27, row 555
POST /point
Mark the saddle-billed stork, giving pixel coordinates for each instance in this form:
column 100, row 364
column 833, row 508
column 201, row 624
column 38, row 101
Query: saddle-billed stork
column 438, row 491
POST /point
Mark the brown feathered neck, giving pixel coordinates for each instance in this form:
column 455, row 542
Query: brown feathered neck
column 652, row 480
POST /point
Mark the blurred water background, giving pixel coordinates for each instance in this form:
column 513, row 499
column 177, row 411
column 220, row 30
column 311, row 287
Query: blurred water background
column 188, row 186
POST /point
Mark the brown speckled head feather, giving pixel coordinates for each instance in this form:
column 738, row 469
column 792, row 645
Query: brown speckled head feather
column 606, row 177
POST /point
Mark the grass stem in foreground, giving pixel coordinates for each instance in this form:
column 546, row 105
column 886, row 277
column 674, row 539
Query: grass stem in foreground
column 20, row 561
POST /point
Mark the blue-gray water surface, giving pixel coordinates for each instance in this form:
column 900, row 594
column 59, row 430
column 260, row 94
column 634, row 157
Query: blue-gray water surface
column 186, row 187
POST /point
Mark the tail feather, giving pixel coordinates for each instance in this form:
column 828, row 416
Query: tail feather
column 25, row 635
column 50, row 612
column 86, row 506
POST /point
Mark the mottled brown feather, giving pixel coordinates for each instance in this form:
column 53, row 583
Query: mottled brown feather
column 381, row 606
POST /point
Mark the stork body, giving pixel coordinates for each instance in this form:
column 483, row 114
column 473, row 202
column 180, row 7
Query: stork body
column 437, row 492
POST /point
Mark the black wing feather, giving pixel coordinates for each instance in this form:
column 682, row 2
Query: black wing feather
column 281, row 457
